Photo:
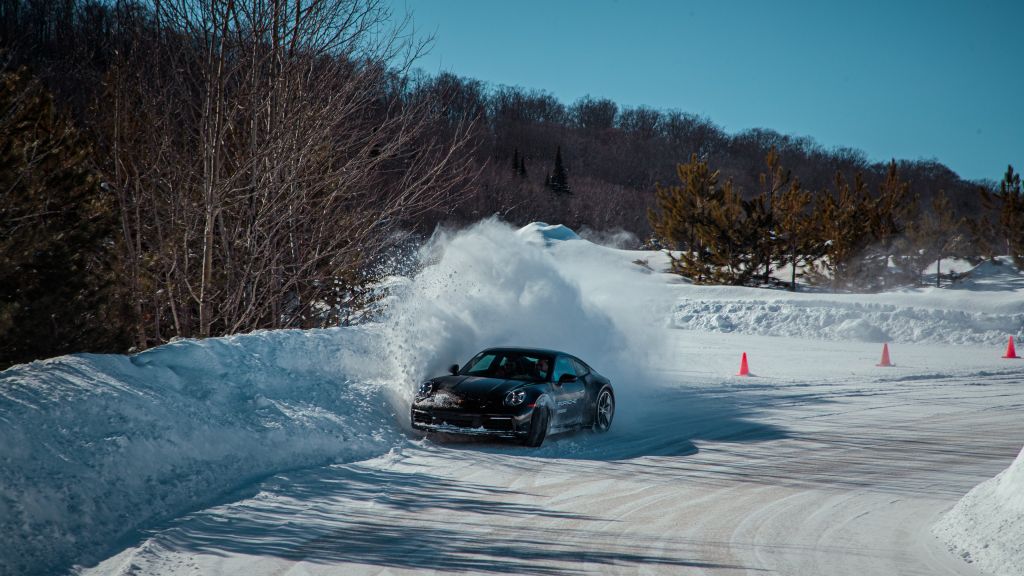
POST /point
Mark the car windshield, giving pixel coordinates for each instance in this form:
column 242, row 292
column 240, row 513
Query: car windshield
column 509, row 366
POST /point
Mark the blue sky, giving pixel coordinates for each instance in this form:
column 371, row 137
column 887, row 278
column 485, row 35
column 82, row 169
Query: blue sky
column 937, row 80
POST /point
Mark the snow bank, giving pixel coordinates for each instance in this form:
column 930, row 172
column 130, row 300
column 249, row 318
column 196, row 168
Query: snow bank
column 95, row 446
column 984, row 307
column 869, row 319
column 987, row 526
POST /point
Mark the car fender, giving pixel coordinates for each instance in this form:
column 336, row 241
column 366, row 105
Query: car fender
column 545, row 401
column 561, row 418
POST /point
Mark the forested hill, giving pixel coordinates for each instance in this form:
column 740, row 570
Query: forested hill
column 191, row 169
column 615, row 155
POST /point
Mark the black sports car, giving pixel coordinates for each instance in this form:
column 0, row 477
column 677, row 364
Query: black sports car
column 519, row 393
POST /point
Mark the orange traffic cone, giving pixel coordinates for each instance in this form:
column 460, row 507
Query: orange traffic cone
column 1011, row 352
column 885, row 356
column 744, row 369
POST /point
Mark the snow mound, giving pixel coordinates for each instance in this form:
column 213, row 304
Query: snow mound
column 947, row 266
column 871, row 319
column 987, row 526
column 983, row 306
column 547, row 233
column 96, row 446
column 999, row 274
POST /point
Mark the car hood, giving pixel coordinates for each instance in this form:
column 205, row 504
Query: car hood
column 476, row 386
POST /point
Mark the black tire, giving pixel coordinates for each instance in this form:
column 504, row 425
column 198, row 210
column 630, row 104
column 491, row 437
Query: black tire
column 538, row 428
column 604, row 410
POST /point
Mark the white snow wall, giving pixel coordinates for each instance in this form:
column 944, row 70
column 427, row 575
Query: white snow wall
column 95, row 446
column 986, row 527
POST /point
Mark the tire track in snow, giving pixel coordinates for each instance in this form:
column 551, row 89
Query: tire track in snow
column 851, row 484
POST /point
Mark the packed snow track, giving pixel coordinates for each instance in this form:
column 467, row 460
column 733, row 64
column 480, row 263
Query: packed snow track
column 833, row 475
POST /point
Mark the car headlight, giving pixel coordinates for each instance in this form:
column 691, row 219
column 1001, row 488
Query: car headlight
column 515, row 398
column 426, row 389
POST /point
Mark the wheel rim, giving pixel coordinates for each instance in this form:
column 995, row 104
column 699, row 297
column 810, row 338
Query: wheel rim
column 605, row 410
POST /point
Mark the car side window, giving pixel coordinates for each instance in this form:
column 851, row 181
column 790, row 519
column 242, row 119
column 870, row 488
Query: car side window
column 563, row 365
column 581, row 368
column 480, row 364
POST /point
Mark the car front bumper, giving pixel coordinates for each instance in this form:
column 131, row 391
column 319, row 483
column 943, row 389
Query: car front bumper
column 469, row 423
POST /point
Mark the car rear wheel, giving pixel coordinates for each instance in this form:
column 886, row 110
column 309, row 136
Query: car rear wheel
column 604, row 410
column 538, row 428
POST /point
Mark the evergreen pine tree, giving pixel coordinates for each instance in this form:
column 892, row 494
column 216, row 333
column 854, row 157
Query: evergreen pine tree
column 1011, row 214
column 559, row 181
column 708, row 225
column 864, row 233
column 934, row 236
column 845, row 230
column 798, row 231
column 772, row 184
column 982, row 233
column 57, row 279
column 888, row 215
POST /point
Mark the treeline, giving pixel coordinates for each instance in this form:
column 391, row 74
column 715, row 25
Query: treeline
column 593, row 164
column 847, row 237
column 614, row 157
column 190, row 168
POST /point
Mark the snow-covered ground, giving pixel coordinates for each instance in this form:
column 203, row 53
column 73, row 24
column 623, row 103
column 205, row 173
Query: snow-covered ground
column 287, row 451
column 97, row 445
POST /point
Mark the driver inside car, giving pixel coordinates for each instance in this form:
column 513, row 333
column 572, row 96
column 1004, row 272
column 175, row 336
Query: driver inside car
column 506, row 370
column 541, row 369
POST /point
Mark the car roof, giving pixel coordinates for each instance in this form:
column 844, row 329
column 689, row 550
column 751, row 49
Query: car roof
column 539, row 351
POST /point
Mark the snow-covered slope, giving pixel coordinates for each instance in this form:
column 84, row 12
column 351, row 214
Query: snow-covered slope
column 97, row 447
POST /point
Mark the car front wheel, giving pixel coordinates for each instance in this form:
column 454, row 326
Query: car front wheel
column 538, row 428
column 604, row 410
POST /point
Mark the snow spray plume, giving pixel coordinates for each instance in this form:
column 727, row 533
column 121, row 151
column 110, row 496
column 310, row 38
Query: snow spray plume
column 616, row 238
column 490, row 285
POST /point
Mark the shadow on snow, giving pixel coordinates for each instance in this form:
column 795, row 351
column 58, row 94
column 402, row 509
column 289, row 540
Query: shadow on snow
column 386, row 524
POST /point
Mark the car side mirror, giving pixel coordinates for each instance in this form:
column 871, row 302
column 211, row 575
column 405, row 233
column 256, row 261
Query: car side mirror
column 566, row 378
column 454, row 369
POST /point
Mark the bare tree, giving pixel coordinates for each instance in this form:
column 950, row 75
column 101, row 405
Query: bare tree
column 264, row 154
